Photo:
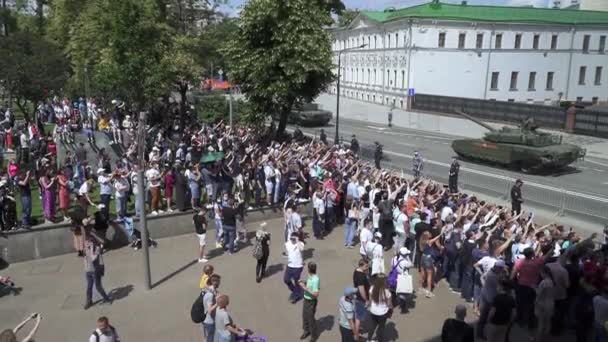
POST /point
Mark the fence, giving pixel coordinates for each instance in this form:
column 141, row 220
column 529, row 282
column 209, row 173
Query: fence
column 587, row 122
column 498, row 185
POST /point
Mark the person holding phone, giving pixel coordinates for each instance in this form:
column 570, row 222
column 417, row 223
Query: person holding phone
column 295, row 264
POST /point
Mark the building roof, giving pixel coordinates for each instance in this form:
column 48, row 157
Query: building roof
column 495, row 14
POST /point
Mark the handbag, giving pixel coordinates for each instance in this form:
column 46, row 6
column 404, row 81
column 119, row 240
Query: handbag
column 405, row 284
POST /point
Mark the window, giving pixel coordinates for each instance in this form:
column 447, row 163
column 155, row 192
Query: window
column 602, row 47
column 479, row 42
column 594, row 99
column 369, row 78
column 395, row 78
column 375, row 79
column 554, row 42
column 375, row 42
column 461, row 40
column 581, row 75
column 494, row 82
column 498, row 42
column 396, row 39
column 517, row 41
column 441, row 42
column 549, row 80
column 579, row 99
column 513, row 85
column 586, row 43
column 389, row 41
column 388, row 77
column 403, row 79
column 536, row 41
column 532, row 81
column 598, row 75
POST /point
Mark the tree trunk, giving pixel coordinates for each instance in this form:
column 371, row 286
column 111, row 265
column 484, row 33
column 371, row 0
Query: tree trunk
column 23, row 107
column 183, row 89
column 282, row 123
column 4, row 19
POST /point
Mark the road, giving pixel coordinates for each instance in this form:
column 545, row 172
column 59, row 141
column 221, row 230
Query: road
column 582, row 187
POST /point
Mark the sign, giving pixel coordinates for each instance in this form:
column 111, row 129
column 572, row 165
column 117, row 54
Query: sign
column 411, row 92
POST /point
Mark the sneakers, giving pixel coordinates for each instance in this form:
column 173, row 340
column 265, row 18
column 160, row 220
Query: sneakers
column 202, row 260
column 429, row 294
column 169, row 210
column 154, row 213
column 160, row 211
column 218, row 245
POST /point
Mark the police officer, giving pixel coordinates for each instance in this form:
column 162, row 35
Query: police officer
column 516, row 197
column 323, row 136
column 417, row 165
column 354, row 145
column 390, row 115
column 378, row 154
column 453, row 180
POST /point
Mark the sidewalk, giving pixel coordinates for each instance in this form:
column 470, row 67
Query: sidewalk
column 54, row 287
column 378, row 115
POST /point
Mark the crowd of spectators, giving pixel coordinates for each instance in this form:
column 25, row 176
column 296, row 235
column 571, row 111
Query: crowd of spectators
column 509, row 267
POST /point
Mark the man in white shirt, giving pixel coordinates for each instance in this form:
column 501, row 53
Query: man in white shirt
column 105, row 189
column 365, row 237
column 269, row 178
column 295, row 263
column 121, row 186
column 153, row 177
column 445, row 212
column 318, row 214
column 104, row 332
column 401, row 228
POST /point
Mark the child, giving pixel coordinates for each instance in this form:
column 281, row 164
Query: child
column 207, row 272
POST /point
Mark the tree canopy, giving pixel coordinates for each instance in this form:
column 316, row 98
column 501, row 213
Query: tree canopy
column 281, row 54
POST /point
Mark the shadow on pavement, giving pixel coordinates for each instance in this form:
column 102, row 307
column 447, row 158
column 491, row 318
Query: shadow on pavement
column 121, row 292
column 307, row 253
column 174, row 273
column 273, row 269
column 391, row 332
column 326, row 323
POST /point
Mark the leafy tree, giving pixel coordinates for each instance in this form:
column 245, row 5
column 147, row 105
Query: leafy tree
column 62, row 17
column 280, row 55
column 122, row 46
column 31, row 68
column 347, row 17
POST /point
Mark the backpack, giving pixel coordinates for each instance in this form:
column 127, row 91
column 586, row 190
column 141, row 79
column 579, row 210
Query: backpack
column 391, row 280
column 258, row 252
column 197, row 312
column 97, row 334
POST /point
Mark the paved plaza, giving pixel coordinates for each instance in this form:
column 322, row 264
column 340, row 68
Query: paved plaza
column 54, row 287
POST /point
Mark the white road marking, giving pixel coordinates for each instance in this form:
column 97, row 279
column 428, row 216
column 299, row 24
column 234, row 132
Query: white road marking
column 597, row 163
column 405, row 144
column 380, row 128
column 598, row 170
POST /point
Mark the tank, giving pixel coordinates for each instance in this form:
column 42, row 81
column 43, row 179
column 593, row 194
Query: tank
column 523, row 148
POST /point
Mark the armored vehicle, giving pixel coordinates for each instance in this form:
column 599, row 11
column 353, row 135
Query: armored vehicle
column 309, row 114
column 523, row 148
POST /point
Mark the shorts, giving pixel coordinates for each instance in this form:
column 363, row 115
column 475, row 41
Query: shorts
column 202, row 239
column 427, row 262
column 360, row 310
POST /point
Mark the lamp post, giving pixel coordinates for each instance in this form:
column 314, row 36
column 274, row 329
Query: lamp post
column 337, row 138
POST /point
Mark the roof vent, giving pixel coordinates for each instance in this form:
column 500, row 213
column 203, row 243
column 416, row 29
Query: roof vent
column 464, row 3
column 390, row 9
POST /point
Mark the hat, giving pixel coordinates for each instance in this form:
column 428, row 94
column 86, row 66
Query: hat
column 349, row 291
column 404, row 251
column 500, row 263
column 378, row 235
column 100, row 170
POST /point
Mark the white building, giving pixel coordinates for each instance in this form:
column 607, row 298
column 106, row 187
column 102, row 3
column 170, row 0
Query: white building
column 517, row 54
column 590, row 5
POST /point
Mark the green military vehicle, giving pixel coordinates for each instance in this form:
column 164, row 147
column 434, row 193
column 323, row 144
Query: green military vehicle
column 523, row 148
column 309, row 114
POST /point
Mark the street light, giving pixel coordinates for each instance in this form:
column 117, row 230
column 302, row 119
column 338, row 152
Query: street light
column 337, row 139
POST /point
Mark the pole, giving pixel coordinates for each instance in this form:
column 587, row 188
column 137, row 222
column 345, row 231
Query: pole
column 143, row 225
column 230, row 106
column 336, row 139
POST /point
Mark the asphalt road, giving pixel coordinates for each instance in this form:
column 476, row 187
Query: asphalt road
column 582, row 188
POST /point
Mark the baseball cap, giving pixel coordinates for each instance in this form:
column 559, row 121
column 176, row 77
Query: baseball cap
column 404, row 251
column 349, row 291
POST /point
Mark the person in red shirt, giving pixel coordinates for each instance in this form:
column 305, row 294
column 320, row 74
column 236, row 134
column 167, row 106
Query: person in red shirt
column 526, row 272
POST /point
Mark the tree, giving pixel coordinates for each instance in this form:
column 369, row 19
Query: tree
column 280, row 55
column 31, row 68
column 347, row 17
column 122, row 45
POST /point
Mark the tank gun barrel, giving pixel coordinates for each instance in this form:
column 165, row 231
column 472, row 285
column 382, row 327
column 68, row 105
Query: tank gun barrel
column 479, row 122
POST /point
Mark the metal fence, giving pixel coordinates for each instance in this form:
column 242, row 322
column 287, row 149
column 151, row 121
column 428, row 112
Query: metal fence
column 498, row 184
column 587, row 122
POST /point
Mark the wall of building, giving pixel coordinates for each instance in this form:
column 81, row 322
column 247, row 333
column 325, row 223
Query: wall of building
column 466, row 70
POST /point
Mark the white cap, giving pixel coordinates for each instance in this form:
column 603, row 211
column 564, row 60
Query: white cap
column 404, row 251
column 100, row 170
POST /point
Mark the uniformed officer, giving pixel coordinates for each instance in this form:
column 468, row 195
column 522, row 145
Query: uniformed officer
column 354, row 145
column 417, row 165
column 378, row 154
column 453, row 179
column 516, row 197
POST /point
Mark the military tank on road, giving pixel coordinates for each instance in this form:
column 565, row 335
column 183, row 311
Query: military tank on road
column 522, row 148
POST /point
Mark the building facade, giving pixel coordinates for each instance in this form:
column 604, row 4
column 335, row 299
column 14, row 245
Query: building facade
column 484, row 52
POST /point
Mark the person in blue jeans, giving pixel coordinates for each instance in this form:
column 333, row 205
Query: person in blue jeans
column 94, row 270
column 229, row 226
column 351, row 212
column 23, row 181
column 210, row 304
column 295, row 264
